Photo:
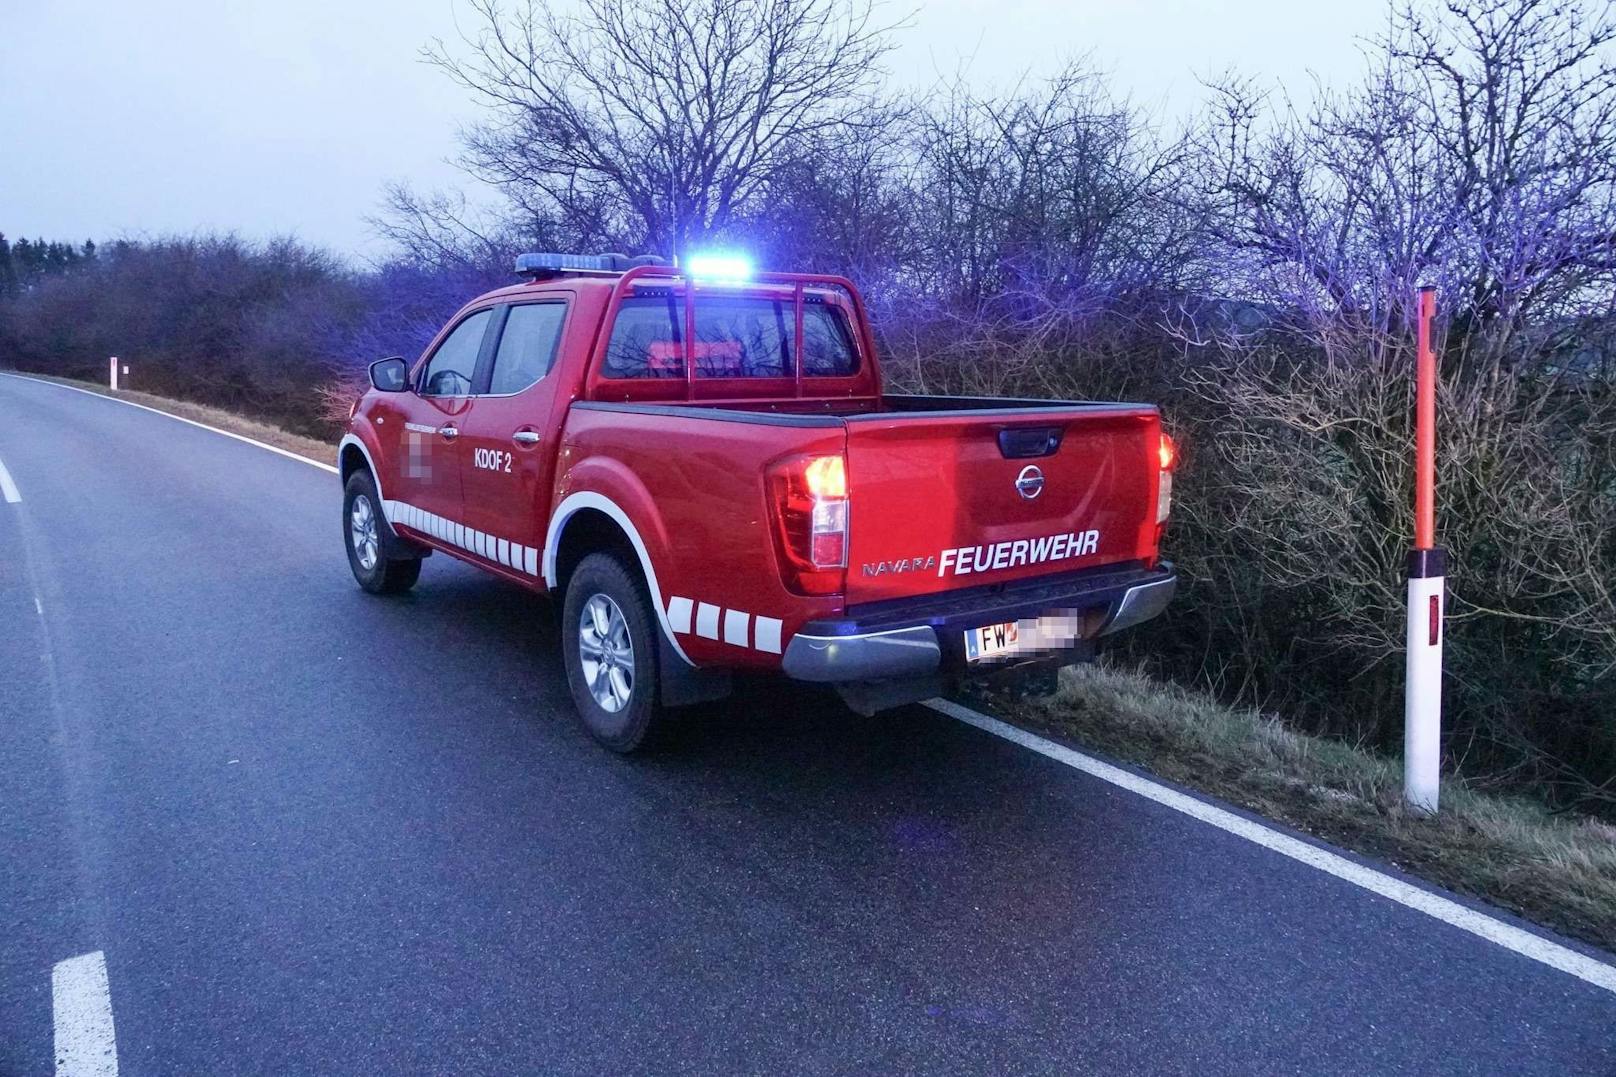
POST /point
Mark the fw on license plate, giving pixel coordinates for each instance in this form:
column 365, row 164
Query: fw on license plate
column 1031, row 635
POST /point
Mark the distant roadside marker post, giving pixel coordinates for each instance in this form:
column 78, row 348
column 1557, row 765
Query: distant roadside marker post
column 1427, row 590
column 113, row 379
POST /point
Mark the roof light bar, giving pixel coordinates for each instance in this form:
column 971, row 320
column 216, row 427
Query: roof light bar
column 720, row 267
column 539, row 264
column 551, row 262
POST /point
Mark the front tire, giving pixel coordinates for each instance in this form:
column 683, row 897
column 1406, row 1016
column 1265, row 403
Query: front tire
column 362, row 527
column 608, row 639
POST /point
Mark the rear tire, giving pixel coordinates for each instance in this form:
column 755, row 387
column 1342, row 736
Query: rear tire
column 609, row 646
column 362, row 536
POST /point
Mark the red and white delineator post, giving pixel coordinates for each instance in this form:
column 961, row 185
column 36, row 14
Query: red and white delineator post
column 1427, row 591
column 112, row 382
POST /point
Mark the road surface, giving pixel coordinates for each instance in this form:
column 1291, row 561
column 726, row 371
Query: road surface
column 315, row 831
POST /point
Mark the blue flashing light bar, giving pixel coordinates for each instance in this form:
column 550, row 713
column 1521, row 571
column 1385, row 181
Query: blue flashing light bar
column 545, row 262
column 720, row 267
column 539, row 264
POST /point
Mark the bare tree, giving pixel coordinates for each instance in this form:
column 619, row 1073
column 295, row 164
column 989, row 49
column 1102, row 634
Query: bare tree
column 657, row 123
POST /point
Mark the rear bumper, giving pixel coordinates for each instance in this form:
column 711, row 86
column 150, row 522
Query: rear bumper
column 917, row 637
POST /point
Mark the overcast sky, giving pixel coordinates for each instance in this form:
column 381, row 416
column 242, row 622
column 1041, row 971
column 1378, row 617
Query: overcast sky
column 272, row 117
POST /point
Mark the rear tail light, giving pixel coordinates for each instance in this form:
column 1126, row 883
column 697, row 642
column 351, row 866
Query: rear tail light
column 808, row 497
column 1167, row 454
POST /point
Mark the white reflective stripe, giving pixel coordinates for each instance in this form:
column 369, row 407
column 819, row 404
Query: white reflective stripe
column 735, row 626
column 513, row 555
column 679, row 610
column 767, row 634
column 707, row 620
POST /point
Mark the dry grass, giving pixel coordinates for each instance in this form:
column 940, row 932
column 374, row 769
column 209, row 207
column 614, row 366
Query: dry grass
column 324, row 452
column 1559, row 870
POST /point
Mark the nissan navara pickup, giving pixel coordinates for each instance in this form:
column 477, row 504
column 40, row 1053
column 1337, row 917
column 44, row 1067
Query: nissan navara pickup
column 703, row 465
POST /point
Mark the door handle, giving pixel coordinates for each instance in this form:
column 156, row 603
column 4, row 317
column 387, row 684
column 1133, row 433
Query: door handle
column 449, row 432
column 526, row 437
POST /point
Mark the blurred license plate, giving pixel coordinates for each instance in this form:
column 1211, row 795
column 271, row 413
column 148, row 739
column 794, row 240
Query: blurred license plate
column 1031, row 635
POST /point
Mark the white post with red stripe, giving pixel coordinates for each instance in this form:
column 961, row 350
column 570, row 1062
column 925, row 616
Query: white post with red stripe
column 1427, row 592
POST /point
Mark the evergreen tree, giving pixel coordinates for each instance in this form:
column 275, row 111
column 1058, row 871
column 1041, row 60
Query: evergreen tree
column 26, row 265
column 8, row 271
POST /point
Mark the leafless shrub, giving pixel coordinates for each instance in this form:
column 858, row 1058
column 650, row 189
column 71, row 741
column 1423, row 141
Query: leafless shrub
column 1481, row 156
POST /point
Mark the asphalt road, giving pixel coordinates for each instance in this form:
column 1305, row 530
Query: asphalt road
column 315, row 831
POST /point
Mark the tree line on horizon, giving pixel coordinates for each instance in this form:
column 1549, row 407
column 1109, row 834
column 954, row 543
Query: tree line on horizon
column 25, row 261
column 1252, row 272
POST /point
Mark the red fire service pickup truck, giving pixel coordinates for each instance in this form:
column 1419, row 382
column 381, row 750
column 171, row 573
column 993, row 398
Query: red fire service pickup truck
column 702, row 463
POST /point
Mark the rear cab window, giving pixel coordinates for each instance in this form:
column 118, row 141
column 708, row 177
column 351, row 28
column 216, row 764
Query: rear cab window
column 736, row 336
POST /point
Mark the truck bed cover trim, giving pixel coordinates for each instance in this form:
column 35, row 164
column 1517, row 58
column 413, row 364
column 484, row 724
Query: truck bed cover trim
column 717, row 414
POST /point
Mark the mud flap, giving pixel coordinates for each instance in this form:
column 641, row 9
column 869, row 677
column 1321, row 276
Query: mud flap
column 683, row 684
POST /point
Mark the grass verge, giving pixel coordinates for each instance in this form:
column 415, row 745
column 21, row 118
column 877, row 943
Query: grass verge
column 1511, row 851
column 324, row 452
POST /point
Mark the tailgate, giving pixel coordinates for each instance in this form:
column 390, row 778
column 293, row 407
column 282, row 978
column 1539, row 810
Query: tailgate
column 954, row 499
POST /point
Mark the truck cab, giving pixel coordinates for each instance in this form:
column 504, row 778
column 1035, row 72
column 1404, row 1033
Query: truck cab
column 703, row 464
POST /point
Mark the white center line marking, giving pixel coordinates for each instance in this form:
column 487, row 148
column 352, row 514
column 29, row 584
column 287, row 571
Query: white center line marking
column 82, row 1011
column 7, row 487
column 1449, row 912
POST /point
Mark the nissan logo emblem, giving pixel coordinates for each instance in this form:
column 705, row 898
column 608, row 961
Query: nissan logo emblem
column 1030, row 483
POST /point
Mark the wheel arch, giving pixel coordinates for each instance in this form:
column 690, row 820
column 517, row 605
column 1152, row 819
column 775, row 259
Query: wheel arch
column 353, row 454
column 582, row 524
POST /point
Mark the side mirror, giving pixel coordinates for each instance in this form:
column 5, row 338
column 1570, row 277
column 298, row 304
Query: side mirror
column 390, row 375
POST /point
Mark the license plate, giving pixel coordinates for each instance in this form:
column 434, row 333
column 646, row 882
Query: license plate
column 1032, row 635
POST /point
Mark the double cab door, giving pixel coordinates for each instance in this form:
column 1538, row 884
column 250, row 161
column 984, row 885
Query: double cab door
column 480, row 431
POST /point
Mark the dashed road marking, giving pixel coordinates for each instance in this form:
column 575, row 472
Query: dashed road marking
column 81, row 1011
column 8, row 489
column 1510, row 937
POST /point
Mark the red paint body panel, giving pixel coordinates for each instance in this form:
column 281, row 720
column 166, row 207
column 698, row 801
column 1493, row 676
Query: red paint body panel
column 925, row 484
column 686, row 461
column 694, row 488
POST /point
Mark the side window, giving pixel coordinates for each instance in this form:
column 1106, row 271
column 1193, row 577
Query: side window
column 647, row 339
column 449, row 371
column 527, row 347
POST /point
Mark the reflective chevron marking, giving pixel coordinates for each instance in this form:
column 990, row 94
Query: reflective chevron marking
column 513, row 555
column 737, row 628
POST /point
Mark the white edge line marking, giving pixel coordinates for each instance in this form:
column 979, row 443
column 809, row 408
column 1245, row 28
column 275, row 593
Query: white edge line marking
column 1449, row 912
column 81, row 1013
column 7, row 487
column 289, row 454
